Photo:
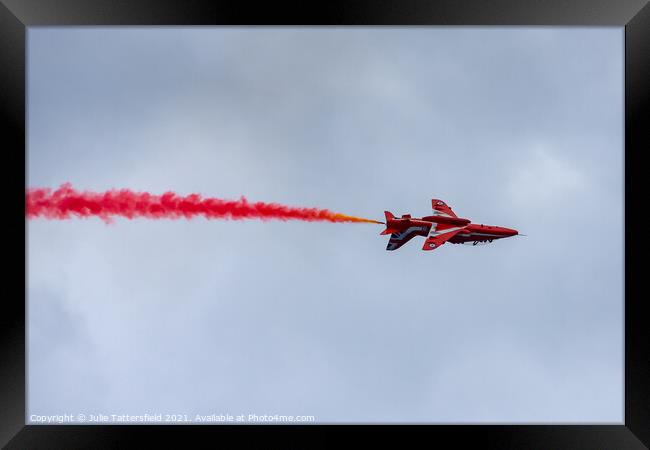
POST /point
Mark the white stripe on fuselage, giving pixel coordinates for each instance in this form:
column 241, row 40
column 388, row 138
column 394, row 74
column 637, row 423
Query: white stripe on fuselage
column 447, row 230
column 474, row 233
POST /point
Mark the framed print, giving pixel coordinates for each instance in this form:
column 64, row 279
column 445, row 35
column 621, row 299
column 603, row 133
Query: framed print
column 403, row 220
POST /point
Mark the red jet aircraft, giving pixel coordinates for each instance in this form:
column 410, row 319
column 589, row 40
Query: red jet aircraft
column 439, row 228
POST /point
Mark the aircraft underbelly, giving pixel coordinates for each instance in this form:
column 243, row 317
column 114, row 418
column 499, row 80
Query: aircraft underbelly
column 473, row 236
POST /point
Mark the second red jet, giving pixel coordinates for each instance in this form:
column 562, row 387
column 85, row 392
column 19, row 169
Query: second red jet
column 439, row 228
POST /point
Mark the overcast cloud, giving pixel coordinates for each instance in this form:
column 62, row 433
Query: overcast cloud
column 517, row 127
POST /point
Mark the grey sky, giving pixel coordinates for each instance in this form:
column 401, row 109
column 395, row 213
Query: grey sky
column 518, row 127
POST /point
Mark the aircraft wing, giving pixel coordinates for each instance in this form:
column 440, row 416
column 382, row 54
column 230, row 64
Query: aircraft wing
column 433, row 242
column 400, row 238
column 440, row 208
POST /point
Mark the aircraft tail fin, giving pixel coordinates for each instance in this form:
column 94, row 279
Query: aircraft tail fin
column 389, row 230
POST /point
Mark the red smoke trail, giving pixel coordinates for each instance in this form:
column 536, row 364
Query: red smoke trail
column 65, row 202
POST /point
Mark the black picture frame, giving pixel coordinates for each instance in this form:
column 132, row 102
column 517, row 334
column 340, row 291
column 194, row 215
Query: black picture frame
column 16, row 15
